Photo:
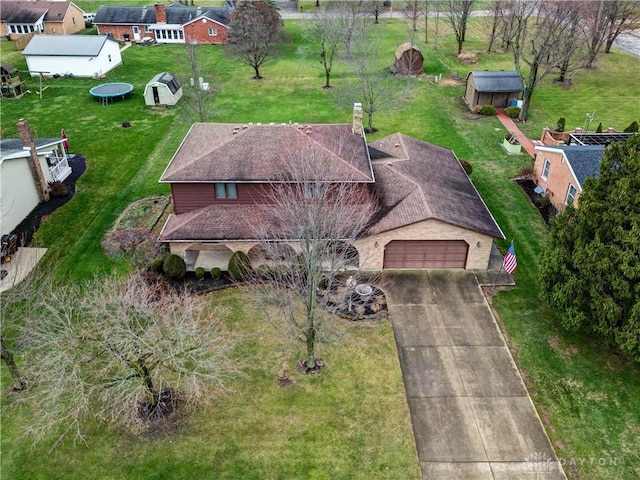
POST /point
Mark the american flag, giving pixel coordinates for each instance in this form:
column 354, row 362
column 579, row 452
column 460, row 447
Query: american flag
column 510, row 263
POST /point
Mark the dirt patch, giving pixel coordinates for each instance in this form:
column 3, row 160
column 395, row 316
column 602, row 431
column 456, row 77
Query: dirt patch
column 554, row 342
column 143, row 213
column 451, row 82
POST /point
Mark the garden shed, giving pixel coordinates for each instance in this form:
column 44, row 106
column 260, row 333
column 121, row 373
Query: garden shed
column 163, row 89
column 497, row 88
column 409, row 60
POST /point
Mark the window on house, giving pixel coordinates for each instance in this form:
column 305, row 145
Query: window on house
column 147, row 28
column 571, row 194
column 226, row 190
column 545, row 169
column 109, row 57
column 73, row 20
column 213, row 32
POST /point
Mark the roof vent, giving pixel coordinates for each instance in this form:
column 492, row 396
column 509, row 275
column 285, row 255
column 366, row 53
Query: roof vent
column 397, row 145
column 245, row 127
column 235, row 132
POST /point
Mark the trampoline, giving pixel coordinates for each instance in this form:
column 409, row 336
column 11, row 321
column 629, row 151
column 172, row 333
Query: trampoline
column 109, row 91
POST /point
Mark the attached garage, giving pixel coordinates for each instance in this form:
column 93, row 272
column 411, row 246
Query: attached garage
column 426, row 254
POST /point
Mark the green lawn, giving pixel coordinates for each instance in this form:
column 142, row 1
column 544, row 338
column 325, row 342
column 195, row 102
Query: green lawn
column 588, row 395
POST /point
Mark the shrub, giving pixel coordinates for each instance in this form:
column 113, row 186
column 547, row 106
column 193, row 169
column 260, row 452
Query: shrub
column 216, row 273
column 157, row 264
column 487, row 110
column 174, row 267
column 58, row 189
column 525, row 171
column 561, row 124
column 599, row 129
column 199, row 273
column 512, row 112
column 632, row 128
column 119, row 242
column 239, row 265
column 467, row 167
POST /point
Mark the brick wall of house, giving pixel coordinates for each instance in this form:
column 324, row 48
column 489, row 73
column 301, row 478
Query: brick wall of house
column 198, row 32
column 560, row 177
column 371, row 249
column 118, row 31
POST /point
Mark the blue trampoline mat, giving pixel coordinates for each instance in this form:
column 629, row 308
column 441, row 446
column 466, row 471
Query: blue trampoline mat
column 107, row 90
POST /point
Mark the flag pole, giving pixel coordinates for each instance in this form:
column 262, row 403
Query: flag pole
column 501, row 268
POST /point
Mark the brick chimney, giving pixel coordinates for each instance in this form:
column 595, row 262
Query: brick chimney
column 34, row 161
column 357, row 119
column 161, row 13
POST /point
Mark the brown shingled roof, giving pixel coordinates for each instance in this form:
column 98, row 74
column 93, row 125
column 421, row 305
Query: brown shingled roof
column 215, row 152
column 417, row 180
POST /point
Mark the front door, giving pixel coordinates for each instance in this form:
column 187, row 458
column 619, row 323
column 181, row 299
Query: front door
column 136, row 33
column 156, row 97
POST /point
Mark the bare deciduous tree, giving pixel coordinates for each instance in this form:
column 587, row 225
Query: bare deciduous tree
column 414, row 10
column 459, row 12
column 538, row 31
column 374, row 87
column 317, row 208
column 253, row 32
column 327, row 31
column 623, row 15
column 496, row 17
column 122, row 351
column 197, row 99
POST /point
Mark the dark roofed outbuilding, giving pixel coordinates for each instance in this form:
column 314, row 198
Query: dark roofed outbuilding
column 497, row 88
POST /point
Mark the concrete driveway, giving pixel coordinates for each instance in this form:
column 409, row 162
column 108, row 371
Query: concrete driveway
column 472, row 417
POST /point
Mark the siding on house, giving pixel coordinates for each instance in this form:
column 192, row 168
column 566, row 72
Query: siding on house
column 192, row 196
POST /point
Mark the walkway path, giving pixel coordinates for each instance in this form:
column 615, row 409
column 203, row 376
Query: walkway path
column 510, row 125
column 472, row 416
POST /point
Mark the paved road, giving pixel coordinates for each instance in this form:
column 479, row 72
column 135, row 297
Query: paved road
column 472, row 416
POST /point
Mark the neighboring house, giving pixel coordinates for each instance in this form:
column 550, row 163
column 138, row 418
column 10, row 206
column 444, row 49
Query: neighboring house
column 174, row 23
column 497, row 88
column 560, row 171
column 582, row 137
column 409, row 60
column 22, row 187
column 18, row 17
column 163, row 89
column 50, row 55
column 430, row 216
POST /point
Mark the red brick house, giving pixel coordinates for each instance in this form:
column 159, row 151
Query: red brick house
column 430, row 214
column 560, row 171
column 174, row 23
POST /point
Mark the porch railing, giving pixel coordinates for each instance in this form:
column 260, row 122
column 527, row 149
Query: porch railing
column 59, row 168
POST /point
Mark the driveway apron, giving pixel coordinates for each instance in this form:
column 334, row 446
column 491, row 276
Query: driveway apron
column 471, row 413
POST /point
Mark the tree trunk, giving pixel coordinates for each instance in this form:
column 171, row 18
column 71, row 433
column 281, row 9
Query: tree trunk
column 563, row 71
column 148, row 381
column 9, row 361
column 609, row 44
column 327, row 79
column 526, row 100
column 310, row 361
column 588, row 63
column 257, row 70
column 460, row 45
column 426, row 21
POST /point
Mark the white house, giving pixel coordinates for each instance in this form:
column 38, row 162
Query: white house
column 163, row 89
column 20, row 190
column 80, row 56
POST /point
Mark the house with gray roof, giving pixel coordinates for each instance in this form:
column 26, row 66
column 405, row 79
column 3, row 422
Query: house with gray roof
column 561, row 170
column 19, row 17
column 52, row 55
column 497, row 88
column 429, row 213
column 173, row 23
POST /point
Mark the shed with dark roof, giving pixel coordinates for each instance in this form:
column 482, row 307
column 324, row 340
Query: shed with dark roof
column 497, row 88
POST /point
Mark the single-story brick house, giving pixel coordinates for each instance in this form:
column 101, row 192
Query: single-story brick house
column 561, row 170
column 19, row 17
column 430, row 214
column 174, row 23
column 497, row 88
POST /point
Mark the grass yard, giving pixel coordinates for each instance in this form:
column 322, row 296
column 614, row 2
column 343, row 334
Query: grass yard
column 354, row 416
column 351, row 422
